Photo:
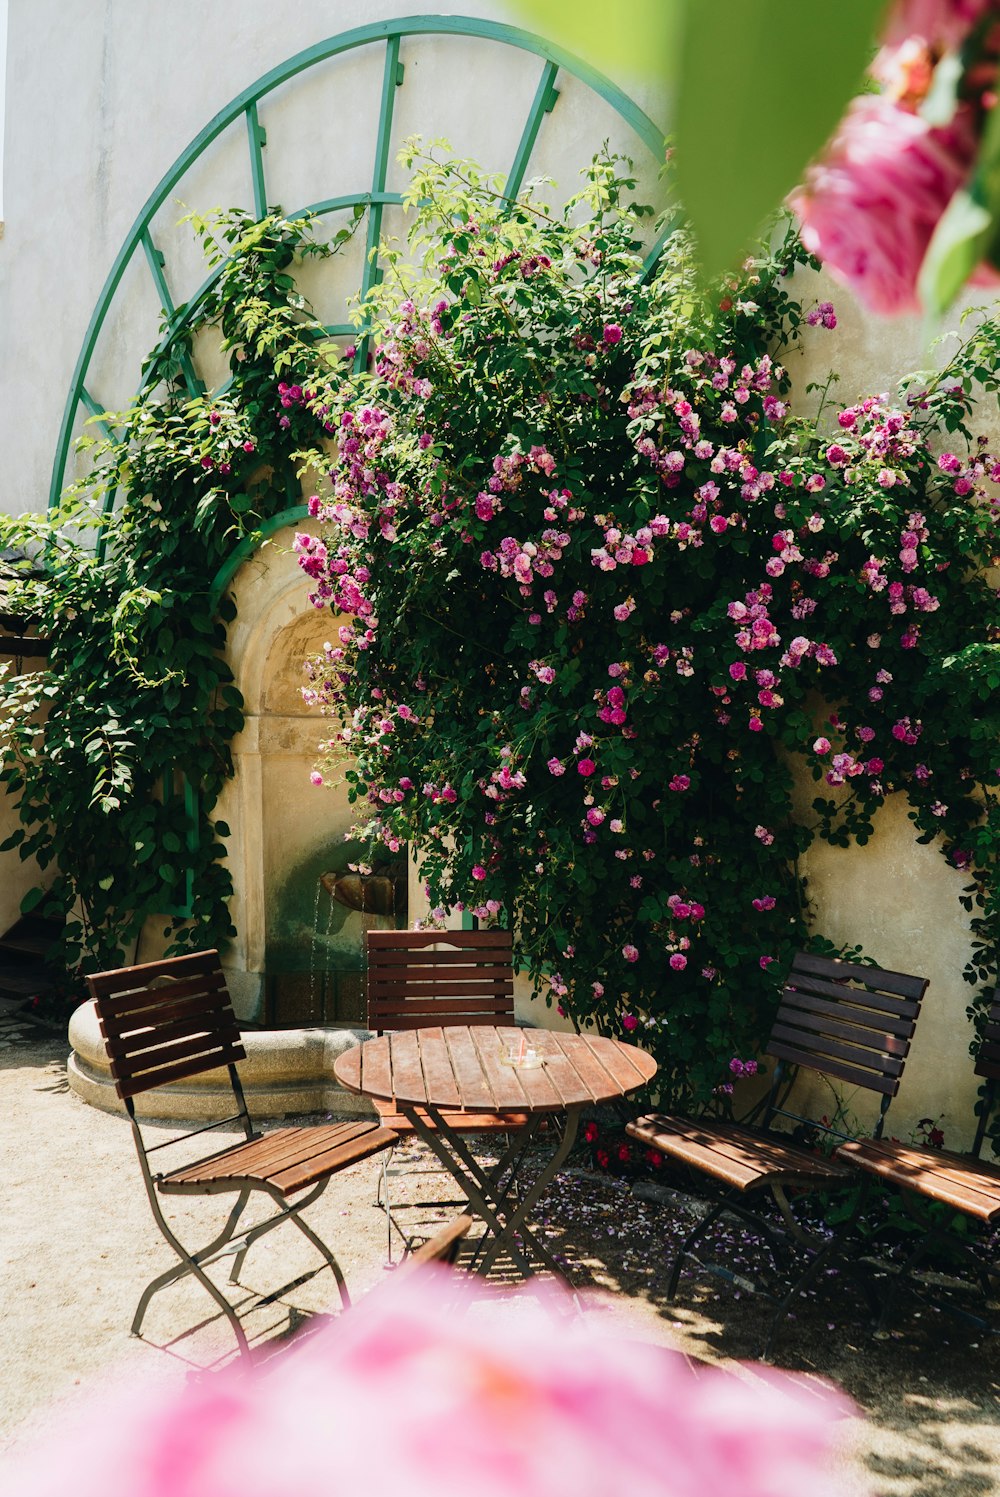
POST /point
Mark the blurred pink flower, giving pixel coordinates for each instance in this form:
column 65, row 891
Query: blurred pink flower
column 403, row 1394
column 942, row 24
column 870, row 205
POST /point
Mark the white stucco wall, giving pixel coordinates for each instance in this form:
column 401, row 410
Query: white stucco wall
column 103, row 95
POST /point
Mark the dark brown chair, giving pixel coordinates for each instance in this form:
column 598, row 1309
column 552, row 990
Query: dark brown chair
column 925, row 1176
column 847, row 1021
column 422, row 978
column 169, row 1020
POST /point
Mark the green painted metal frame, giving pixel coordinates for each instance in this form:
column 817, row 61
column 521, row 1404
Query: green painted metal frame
column 245, row 105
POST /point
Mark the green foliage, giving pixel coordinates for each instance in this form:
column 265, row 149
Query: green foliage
column 606, row 598
column 741, row 143
column 117, row 750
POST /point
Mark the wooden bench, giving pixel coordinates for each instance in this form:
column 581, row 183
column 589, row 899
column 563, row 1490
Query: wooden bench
column 961, row 1182
column 847, row 1021
column 168, row 1020
column 434, row 978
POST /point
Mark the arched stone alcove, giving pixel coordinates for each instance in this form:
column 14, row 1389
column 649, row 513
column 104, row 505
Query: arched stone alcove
column 296, row 959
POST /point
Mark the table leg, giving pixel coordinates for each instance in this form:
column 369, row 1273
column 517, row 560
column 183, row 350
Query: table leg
column 484, row 1196
column 517, row 1220
column 484, row 1193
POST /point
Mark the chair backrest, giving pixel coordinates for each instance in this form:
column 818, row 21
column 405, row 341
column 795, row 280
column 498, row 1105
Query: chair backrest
column 167, row 1020
column 421, row 977
column 848, row 1021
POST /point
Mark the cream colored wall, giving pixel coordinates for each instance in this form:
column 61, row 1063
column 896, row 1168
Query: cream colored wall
column 277, row 816
column 895, row 897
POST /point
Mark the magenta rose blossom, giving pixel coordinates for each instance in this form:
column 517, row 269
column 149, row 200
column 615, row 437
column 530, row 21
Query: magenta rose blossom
column 869, row 207
column 942, row 24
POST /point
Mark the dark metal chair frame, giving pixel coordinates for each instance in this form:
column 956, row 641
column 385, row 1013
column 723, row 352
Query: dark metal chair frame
column 849, row 1022
column 440, row 977
column 172, row 1019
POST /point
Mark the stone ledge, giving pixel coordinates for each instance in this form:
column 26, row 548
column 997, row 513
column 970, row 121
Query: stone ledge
column 286, row 1071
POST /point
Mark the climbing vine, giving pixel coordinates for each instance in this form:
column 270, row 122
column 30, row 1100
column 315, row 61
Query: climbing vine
column 116, row 751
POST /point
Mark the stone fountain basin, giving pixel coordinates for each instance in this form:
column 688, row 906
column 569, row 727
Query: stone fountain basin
column 286, row 1071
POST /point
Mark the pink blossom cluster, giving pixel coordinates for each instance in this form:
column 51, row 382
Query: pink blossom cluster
column 870, row 206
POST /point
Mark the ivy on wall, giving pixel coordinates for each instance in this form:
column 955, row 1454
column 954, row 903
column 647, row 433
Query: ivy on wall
column 116, row 751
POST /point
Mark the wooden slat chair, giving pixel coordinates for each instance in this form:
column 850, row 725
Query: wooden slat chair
column 421, row 978
column 168, row 1020
column 848, row 1022
column 962, row 1182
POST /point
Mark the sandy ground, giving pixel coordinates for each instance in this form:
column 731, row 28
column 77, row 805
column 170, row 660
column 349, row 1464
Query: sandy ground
column 77, row 1245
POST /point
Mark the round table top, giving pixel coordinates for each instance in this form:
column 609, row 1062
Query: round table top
column 463, row 1067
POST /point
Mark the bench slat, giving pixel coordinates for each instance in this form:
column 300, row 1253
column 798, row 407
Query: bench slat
column 903, row 984
column 797, row 1056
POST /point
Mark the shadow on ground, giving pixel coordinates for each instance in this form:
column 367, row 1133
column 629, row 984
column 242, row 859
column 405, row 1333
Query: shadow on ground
column 931, row 1389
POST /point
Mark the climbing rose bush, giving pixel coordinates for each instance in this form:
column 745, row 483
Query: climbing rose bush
column 600, row 596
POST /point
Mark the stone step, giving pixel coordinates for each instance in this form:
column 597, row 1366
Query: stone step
column 25, row 980
column 29, row 936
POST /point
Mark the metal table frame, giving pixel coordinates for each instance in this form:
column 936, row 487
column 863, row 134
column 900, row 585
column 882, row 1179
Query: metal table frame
column 432, row 1073
column 490, row 1192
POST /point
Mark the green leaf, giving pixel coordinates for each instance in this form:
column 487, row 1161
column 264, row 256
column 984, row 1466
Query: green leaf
column 31, row 899
column 966, row 233
column 646, row 43
column 761, row 87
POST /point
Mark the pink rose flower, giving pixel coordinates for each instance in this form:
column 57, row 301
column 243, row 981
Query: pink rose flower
column 870, row 205
column 630, row 953
column 942, row 24
column 678, row 961
column 586, row 767
column 629, row 1022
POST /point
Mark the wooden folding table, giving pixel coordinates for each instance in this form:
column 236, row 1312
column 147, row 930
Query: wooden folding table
column 434, row 1071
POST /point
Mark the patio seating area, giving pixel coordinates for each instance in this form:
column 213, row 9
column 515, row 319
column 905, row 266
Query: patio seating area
column 77, row 1256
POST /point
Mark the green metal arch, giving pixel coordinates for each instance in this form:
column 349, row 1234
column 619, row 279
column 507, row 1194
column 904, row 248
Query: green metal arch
column 245, row 104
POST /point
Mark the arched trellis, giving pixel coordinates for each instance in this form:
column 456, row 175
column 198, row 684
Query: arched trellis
column 245, row 106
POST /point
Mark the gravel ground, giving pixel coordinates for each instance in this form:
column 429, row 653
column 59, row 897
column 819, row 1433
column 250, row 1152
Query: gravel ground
column 77, row 1246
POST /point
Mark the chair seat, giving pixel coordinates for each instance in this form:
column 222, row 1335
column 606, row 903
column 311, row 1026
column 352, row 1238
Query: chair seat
column 285, row 1161
column 968, row 1185
column 738, row 1158
column 459, row 1122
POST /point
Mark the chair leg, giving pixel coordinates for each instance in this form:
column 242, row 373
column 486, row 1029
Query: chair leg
column 319, row 1244
column 820, row 1258
column 684, row 1251
column 932, row 1235
column 192, row 1263
column 189, row 1261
